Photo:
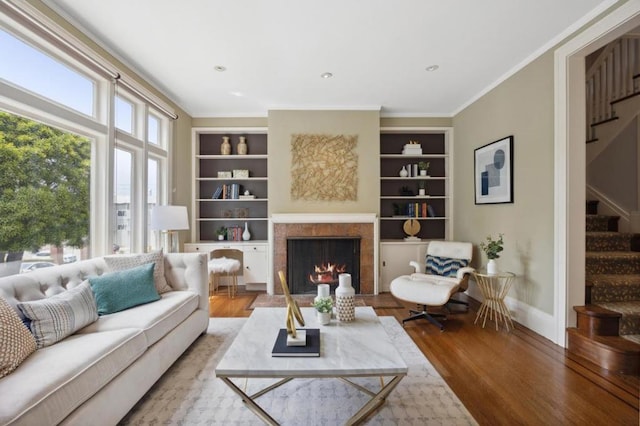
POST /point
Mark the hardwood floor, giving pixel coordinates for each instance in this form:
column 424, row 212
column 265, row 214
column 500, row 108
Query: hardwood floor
column 506, row 378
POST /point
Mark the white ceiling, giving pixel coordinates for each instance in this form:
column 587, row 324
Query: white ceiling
column 274, row 51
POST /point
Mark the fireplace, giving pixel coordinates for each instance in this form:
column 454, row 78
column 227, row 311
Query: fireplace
column 362, row 226
column 313, row 261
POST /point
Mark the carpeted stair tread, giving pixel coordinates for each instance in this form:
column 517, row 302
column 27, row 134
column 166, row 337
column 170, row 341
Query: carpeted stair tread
column 608, row 241
column 630, row 321
column 612, row 262
column 598, row 222
column 614, row 287
column 635, row 338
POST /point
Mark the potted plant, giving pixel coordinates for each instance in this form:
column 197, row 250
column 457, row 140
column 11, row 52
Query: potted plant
column 422, row 188
column 424, row 167
column 221, row 232
column 492, row 248
column 324, row 306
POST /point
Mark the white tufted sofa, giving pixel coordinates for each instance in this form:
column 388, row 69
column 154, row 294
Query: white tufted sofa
column 96, row 375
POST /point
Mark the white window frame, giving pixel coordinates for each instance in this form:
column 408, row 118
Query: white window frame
column 101, row 130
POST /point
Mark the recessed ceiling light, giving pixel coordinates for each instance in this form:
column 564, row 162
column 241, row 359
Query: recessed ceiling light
column 326, row 75
column 220, row 68
column 432, row 68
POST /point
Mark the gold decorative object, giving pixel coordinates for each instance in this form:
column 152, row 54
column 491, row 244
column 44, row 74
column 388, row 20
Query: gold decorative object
column 411, row 228
column 293, row 310
column 324, row 167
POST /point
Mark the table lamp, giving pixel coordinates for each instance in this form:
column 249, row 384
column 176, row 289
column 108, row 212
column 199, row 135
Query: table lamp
column 170, row 219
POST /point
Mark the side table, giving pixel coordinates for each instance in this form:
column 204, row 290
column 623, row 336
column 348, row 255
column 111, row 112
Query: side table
column 494, row 288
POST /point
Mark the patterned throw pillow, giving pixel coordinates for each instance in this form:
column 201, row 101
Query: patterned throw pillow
column 445, row 266
column 16, row 343
column 120, row 290
column 56, row 317
column 122, row 262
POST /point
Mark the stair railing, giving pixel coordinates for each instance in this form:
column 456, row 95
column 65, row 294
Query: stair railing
column 611, row 77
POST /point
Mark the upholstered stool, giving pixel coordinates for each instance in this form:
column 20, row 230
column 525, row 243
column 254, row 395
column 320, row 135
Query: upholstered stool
column 224, row 263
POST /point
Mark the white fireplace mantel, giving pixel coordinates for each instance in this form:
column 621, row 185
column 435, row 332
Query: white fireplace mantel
column 290, row 218
column 324, row 218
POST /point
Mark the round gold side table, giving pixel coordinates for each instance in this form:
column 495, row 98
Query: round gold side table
column 494, row 288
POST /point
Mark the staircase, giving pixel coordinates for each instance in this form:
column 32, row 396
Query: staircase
column 608, row 329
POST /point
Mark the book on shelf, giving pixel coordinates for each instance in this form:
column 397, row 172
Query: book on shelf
column 217, row 193
column 311, row 349
column 418, row 210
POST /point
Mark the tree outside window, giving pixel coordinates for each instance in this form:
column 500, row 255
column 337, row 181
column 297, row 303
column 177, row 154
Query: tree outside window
column 44, row 189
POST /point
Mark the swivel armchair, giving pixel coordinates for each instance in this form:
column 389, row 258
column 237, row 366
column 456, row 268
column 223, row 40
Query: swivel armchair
column 447, row 273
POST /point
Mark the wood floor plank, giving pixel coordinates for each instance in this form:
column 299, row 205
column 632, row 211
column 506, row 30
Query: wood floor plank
column 505, row 378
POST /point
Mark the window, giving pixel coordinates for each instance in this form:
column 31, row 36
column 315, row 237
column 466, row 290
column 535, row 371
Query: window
column 153, row 185
column 124, row 115
column 36, row 72
column 153, row 132
column 122, row 199
column 65, row 95
column 44, row 195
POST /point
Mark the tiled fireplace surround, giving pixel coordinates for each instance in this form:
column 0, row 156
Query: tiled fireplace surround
column 327, row 225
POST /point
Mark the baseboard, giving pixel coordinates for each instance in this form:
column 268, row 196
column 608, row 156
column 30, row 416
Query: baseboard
column 532, row 318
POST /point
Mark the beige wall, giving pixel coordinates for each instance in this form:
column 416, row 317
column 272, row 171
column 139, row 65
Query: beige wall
column 522, row 106
column 364, row 124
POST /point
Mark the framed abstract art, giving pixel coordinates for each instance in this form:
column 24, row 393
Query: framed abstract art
column 493, row 167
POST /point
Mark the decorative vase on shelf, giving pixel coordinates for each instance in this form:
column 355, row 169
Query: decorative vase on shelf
column 246, row 235
column 345, row 299
column 242, row 146
column 225, row 148
column 492, row 267
column 404, row 172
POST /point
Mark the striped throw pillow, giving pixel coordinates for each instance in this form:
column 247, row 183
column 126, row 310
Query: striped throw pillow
column 445, row 266
column 56, row 317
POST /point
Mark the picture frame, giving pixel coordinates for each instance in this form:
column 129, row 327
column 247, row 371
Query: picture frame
column 493, row 172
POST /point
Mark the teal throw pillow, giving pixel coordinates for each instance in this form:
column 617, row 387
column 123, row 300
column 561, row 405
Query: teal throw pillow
column 120, row 290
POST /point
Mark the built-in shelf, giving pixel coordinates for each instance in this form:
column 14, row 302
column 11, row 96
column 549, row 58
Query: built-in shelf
column 211, row 214
column 399, row 194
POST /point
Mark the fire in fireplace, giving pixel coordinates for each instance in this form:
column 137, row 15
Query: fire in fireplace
column 319, row 260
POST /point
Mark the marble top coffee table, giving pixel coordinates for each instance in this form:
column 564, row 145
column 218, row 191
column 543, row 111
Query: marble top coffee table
column 353, row 349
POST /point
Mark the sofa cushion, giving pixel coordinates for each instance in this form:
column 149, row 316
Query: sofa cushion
column 56, row 317
column 128, row 261
column 16, row 343
column 155, row 319
column 445, row 266
column 55, row 380
column 120, row 290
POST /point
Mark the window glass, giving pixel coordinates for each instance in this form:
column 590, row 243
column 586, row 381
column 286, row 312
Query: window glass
column 153, row 126
column 37, row 72
column 124, row 115
column 152, row 200
column 44, row 195
column 122, row 198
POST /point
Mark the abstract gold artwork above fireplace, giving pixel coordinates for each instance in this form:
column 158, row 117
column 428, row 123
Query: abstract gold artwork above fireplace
column 324, row 167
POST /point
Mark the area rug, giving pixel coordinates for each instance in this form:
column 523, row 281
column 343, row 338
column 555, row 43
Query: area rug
column 278, row 301
column 190, row 394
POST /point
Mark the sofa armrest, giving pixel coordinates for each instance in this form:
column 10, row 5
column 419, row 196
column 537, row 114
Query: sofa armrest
column 188, row 271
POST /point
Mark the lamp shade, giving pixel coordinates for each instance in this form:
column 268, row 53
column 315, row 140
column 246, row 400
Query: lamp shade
column 169, row 218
